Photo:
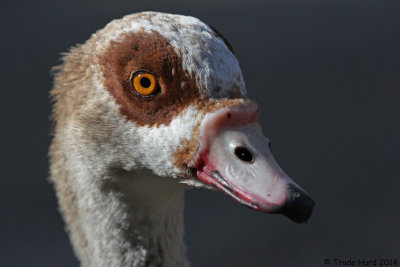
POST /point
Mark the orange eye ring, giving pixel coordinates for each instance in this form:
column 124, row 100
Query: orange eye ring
column 144, row 83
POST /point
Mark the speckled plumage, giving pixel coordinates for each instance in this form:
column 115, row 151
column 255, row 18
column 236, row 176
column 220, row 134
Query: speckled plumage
column 110, row 173
column 120, row 160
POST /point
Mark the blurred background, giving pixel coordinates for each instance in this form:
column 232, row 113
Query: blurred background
column 326, row 77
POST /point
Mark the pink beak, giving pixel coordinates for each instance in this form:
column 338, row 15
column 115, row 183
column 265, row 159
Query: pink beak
column 235, row 158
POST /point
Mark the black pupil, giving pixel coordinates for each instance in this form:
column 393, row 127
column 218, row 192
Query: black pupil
column 244, row 154
column 145, row 82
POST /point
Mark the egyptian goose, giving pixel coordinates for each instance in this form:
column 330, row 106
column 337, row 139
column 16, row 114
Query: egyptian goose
column 150, row 105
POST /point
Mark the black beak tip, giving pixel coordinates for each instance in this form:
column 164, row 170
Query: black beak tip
column 299, row 205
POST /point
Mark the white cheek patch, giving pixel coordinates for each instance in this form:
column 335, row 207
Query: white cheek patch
column 153, row 147
column 159, row 143
column 204, row 54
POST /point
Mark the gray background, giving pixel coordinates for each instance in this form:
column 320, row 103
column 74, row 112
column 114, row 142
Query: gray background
column 326, row 77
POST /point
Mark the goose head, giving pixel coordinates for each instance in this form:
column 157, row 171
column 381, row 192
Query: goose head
column 165, row 93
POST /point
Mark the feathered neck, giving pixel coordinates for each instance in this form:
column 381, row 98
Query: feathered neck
column 124, row 218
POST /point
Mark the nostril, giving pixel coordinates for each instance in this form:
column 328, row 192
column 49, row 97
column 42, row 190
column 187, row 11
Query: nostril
column 244, row 154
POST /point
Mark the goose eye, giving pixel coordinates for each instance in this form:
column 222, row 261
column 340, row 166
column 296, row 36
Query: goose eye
column 144, row 83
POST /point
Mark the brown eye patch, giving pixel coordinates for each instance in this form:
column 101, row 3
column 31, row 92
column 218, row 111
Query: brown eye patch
column 152, row 52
